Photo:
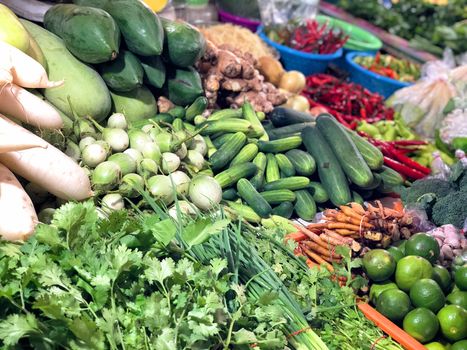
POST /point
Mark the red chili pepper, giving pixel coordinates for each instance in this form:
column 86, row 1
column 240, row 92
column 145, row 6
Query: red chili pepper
column 403, row 169
column 409, row 143
column 395, row 154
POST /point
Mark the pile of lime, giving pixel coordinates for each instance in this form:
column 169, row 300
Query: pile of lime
column 426, row 299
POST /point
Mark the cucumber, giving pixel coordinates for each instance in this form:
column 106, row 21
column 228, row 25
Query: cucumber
column 246, row 154
column 285, row 165
column 285, row 209
column 177, row 112
column 123, row 74
column 289, row 130
column 282, row 116
column 250, row 115
column 154, row 70
column 390, row 179
column 305, row 206
column 372, row 155
column 227, row 125
column 140, row 26
column 230, row 176
column 318, row 192
column 260, row 161
column 345, row 150
column 230, row 194
column 244, row 212
column 183, row 85
column 291, row 183
column 272, row 168
column 219, row 141
column 227, row 151
column 184, row 44
column 249, row 194
column 330, row 172
column 178, row 125
column 137, row 104
column 374, row 184
column 281, row 145
column 83, row 84
column 278, row 196
column 302, row 161
column 91, row 34
column 226, row 114
column 357, row 198
column 196, row 108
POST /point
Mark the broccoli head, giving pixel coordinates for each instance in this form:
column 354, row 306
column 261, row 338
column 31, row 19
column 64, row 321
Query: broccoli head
column 451, row 209
column 426, row 191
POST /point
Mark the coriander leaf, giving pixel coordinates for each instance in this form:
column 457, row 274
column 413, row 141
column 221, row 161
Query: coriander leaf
column 159, row 270
column 164, row 231
column 166, row 341
column 15, row 327
column 48, row 235
column 243, row 336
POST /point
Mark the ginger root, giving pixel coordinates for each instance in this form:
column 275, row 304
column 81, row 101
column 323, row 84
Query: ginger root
column 231, row 77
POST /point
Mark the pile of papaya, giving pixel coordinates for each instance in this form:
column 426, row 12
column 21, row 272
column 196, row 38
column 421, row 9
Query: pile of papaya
column 115, row 56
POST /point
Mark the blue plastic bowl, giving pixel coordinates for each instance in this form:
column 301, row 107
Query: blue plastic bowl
column 307, row 63
column 372, row 81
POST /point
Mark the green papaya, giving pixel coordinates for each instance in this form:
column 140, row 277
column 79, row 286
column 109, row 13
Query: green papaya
column 84, row 92
column 125, row 73
column 140, row 26
column 91, row 34
column 184, row 86
column 136, row 104
column 154, row 70
column 184, row 43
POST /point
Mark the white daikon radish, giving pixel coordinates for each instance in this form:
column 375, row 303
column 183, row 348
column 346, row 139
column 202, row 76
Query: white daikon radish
column 15, row 138
column 23, row 105
column 17, row 215
column 25, row 70
column 49, row 168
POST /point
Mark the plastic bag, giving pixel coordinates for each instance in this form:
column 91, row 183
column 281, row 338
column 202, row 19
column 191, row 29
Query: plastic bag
column 281, row 12
column 420, row 218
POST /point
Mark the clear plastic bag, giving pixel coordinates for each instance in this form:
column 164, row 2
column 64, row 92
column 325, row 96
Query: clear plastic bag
column 281, row 12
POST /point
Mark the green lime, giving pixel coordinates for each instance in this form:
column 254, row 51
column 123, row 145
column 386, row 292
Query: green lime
column 377, row 289
column 379, row 265
column 442, row 276
column 421, row 324
column 428, row 294
column 411, row 269
column 401, row 245
column 396, row 253
column 459, row 297
column 460, row 345
column 435, row 346
column 424, row 245
column 394, row 304
column 460, row 278
column 453, row 321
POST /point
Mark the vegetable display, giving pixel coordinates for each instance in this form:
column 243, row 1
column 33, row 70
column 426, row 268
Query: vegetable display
column 348, row 102
column 391, row 67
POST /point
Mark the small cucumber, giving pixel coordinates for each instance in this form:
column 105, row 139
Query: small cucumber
column 177, row 112
column 330, row 172
column 260, row 161
column 244, row 212
column 230, row 194
column 286, row 131
column 225, row 114
column 272, row 168
column 305, row 206
column 357, row 198
column 227, row 151
column 345, row 150
column 302, row 161
column 291, row 183
column 372, row 155
column 282, row 116
column 249, row 194
column 250, row 115
column 318, row 192
column 278, row 196
column 280, row 145
column 228, row 125
column 390, row 179
column 285, row 165
column 230, row 176
column 285, row 209
column 247, row 154
column 196, row 108
column 219, row 141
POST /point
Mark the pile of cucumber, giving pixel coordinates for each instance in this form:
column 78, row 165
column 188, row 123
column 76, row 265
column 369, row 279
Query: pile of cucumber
column 116, row 56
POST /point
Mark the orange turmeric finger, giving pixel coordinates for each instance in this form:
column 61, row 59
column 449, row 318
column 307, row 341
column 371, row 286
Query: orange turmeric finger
column 318, row 259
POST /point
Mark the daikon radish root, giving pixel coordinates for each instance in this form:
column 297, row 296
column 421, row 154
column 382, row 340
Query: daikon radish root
column 23, row 105
column 17, row 215
column 49, row 168
column 15, row 138
column 25, row 70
